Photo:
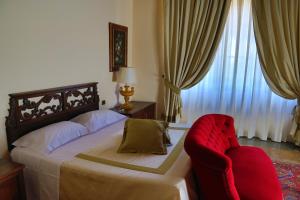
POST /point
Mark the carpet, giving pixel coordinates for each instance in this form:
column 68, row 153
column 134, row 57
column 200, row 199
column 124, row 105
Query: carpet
column 289, row 177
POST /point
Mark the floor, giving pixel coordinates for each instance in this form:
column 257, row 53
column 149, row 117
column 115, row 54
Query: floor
column 285, row 152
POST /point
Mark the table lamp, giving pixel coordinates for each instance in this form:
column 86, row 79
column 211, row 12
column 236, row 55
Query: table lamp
column 126, row 75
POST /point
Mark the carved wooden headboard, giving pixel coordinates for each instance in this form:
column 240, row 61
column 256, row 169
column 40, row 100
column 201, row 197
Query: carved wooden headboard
column 29, row 111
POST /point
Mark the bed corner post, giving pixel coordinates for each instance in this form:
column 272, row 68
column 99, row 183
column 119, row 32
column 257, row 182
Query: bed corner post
column 11, row 121
column 96, row 96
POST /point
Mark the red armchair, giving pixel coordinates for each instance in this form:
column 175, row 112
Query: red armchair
column 224, row 169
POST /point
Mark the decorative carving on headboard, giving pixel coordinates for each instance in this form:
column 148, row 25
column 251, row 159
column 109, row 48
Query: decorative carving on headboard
column 79, row 98
column 29, row 111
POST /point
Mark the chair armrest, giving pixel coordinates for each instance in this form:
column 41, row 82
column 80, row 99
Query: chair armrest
column 213, row 159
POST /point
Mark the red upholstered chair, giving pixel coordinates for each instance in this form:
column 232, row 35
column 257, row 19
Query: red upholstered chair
column 224, row 169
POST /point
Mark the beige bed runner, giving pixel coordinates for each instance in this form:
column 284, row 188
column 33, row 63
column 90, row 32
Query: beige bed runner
column 91, row 180
column 142, row 162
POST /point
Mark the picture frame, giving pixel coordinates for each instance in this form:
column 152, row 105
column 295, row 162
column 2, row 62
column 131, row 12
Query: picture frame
column 118, row 36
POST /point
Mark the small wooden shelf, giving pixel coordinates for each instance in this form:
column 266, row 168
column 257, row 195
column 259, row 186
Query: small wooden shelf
column 141, row 110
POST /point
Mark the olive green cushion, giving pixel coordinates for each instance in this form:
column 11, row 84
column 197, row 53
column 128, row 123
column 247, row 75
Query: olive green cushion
column 145, row 136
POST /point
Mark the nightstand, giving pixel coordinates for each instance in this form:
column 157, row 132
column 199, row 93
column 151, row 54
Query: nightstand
column 141, row 110
column 11, row 181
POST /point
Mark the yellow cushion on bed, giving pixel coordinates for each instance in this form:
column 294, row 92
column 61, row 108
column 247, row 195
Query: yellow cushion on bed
column 144, row 136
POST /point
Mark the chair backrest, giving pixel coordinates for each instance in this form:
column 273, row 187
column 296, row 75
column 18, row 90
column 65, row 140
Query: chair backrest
column 215, row 132
column 206, row 143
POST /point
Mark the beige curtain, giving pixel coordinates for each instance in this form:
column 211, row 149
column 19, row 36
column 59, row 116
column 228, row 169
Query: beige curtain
column 193, row 30
column 277, row 33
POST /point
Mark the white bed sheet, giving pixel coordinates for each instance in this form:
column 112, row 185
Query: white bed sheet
column 42, row 170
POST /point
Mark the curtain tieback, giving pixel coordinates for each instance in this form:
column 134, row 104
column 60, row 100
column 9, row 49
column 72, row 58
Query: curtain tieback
column 296, row 119
column 171, row 86
column 175, row 90
column 296, row 112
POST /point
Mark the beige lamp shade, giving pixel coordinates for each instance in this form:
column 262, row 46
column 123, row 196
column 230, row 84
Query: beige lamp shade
column 126, row 75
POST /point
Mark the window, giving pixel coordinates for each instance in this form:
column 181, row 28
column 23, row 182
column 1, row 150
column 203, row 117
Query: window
column 235, row 84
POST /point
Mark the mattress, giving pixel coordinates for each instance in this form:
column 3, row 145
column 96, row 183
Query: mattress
column 42, row 171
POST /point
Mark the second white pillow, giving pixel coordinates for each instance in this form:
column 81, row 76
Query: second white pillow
column 98, row 119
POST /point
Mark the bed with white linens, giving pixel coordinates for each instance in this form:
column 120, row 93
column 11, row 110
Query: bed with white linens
column 42, row 171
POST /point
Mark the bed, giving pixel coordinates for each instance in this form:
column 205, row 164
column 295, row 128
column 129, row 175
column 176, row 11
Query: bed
column 44, row 172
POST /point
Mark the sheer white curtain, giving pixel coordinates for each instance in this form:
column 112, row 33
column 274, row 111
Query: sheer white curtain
column 235, row 84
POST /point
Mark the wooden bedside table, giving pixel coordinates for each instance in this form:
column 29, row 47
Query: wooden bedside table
column 141, row 110
column 11, row 181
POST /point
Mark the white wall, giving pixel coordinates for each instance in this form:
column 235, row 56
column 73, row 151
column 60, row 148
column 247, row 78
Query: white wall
column 55, row 43
column 148, row 50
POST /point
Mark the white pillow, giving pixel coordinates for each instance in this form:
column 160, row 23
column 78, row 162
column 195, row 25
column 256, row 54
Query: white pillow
column 98, row 119
column 50, row 137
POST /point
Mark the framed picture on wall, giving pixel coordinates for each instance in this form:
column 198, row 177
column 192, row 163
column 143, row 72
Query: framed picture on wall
column 117, row 46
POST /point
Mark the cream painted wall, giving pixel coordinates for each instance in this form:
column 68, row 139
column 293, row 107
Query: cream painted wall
column 148, row 50
column 58, row 42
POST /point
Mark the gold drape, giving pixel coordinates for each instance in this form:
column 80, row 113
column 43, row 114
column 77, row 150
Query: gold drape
column 277, row 33
column 193, row 30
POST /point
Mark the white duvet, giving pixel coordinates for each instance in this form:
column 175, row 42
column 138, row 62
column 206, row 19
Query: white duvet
column 42, row 170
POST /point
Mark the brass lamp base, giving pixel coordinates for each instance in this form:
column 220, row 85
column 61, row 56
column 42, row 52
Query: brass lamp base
column 126, row 92
column 126, row 107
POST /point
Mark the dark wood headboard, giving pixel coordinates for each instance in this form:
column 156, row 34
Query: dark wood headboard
column 32, row 110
